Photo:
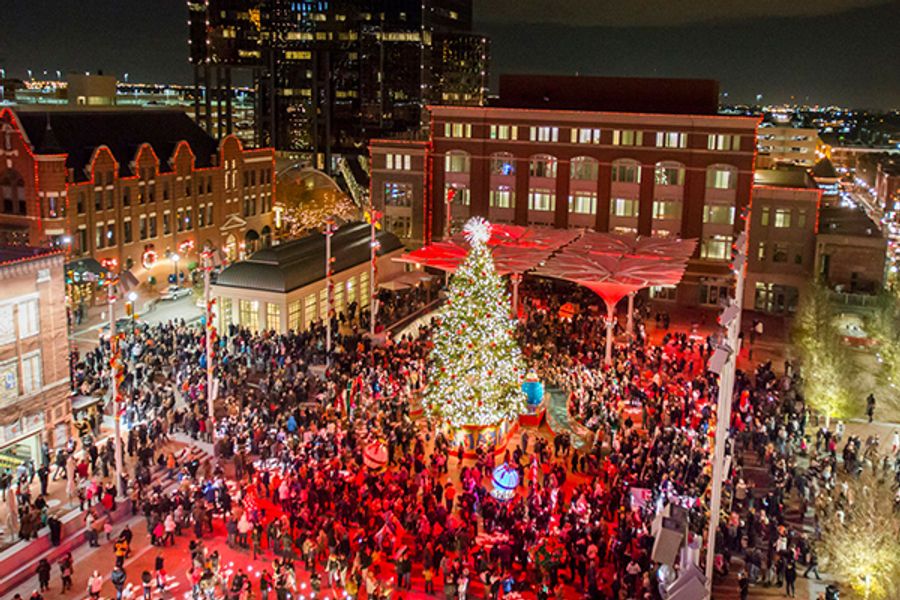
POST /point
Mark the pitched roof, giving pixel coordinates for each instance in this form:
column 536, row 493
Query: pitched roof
column 824, row 168
column 79, row 133
column 298, row 263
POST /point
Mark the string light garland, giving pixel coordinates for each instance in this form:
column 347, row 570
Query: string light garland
column 476, row 369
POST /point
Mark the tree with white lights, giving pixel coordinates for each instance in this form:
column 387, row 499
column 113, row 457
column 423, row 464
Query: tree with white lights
column 476, row 370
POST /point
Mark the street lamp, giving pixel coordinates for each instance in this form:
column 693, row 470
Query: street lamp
column 132, row 297
column 175, row 258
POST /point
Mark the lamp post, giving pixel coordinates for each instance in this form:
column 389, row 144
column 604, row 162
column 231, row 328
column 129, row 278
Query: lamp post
column 329, row 230
column 372, row 216
column 724, row 362
column 114, row 384
column 175, row 258
column 132, row 297
column 207, row 273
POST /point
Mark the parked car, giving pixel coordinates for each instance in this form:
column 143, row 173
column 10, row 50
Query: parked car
column 175, row 292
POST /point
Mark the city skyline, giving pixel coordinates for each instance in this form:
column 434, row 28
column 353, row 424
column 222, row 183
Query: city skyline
column 817, row 53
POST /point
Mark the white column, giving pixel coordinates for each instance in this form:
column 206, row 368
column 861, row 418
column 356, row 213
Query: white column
column 515, row 278
column 610, row 326
column 373, row 243
column 114, row 389
column 630, row 323
column 210, row 400
column 328, row 292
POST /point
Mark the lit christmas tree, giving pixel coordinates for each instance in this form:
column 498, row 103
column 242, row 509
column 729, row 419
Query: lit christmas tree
column 476, row 371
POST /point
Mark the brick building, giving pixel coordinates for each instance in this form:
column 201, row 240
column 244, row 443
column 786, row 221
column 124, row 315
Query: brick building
column 34, row 353
column 133, row 186
column 562, row 151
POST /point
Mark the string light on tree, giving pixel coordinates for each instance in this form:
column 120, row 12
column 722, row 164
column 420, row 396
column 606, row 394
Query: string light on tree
column 476, row 370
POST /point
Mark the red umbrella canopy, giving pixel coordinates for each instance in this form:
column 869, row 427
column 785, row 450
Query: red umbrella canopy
column 620, row 244
column 612, row 277
column 515, row 249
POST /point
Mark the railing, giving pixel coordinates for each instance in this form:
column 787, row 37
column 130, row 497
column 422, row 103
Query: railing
column 853, row 299
column 403, row 322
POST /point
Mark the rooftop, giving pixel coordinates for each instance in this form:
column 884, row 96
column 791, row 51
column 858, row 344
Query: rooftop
column 300, row 262
column 793, row 177
column 824, row 169
column 79, row 132
column 15, row 254
column 610, row 94
column 839, row 220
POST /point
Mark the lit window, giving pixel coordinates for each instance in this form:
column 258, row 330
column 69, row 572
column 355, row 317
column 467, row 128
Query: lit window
column 583, row 168
column 721, row 177
column 761, row 252
column 671, row 139
column 503, row 164
column 583, row 203
column 717, row 247
column 398, row 162
column 666, row 209
column 502, row 198
column 782, row 218
column 543, row 166
column 398, row 194
column 273, row 317
column 31, row 373
column 504, row 132
column 458, row 130
column 669, row 174
column 627, row 137
column 544, row 134
column 723, row 142
column 626, row 171
column 624, row 207
column 718, row 214
column 456, row 162
column 541, row 200
column 585, row 135
column 29, row 318
column 779, row 253
column 461, row 195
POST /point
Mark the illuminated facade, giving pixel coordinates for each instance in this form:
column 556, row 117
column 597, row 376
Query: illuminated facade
column 330, row 75
column 669, row 175
column 116, row 186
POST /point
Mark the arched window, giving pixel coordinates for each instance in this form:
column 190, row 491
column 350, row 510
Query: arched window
column 721, row 177
column 456, row 161
column 583, row 168
column 503, row 163
column 669, row 173
column 543, row 165
column 12, row 192
column 625, row 170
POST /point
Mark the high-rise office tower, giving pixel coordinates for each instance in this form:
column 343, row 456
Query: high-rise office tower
column 332, row 74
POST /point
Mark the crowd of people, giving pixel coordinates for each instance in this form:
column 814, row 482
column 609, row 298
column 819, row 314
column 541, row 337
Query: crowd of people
column 292, row 479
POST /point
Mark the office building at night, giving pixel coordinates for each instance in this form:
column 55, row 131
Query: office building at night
column 330, row 75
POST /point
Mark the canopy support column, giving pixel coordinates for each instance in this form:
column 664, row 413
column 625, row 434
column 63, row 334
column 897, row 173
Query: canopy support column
column 610, row 326
column 515, row 278
column 630, row 324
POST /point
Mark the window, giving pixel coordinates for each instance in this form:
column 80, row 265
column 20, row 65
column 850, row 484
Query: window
column 801, row 217
column 398, row 194
column 179, row 219
column 585, row 135
column 723, row 142
column 456, row 162
column 201, row 216
column 583, row 203
column 627, row 137
column 504, row 132
column 152, row 225
column 309, row 306
column 98, row 201
column 110, row 234
column 669, row 174
column 248, row 314
column 543, row 166
column 82, row 241
column 110, row 199
column 671, row 139
column 399, row 225
column 502, row 198
column 583, row 168
column 273, row 317
column 295, row 316
column 624, row 207
column 167, row 224
column 782, row 218
column 365, row 293
column 663, row 292
column 721, row 177
column 323, row 304
column 458, row 130
column 713, row 294
column 761, row 252
column 539, row 199
column 764, row 216
column 717, row 247
column 503, row 164
column 779, row 253
column 126, row 196
column 29, row 318
column 100, row 236
column 666, row 209
column 626, row 171
column 351, row 291
column 142, row 227
column 126, row 232
column 718, row 214
column 80, row 204
column 399, row 162
column 461, row 195
column 544, row 134
column 209, row 215
column 31, row 373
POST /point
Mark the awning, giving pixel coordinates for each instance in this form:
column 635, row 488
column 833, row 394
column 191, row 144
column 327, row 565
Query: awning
column 82, row 402
column 86, row 265
column 251, row 236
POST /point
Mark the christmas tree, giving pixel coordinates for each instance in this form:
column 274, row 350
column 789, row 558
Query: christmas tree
column 476, row 370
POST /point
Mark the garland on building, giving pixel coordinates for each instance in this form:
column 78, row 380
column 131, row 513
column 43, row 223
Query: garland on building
column 476, row 370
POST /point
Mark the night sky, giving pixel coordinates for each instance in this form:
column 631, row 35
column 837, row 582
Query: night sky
column 826, row 51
